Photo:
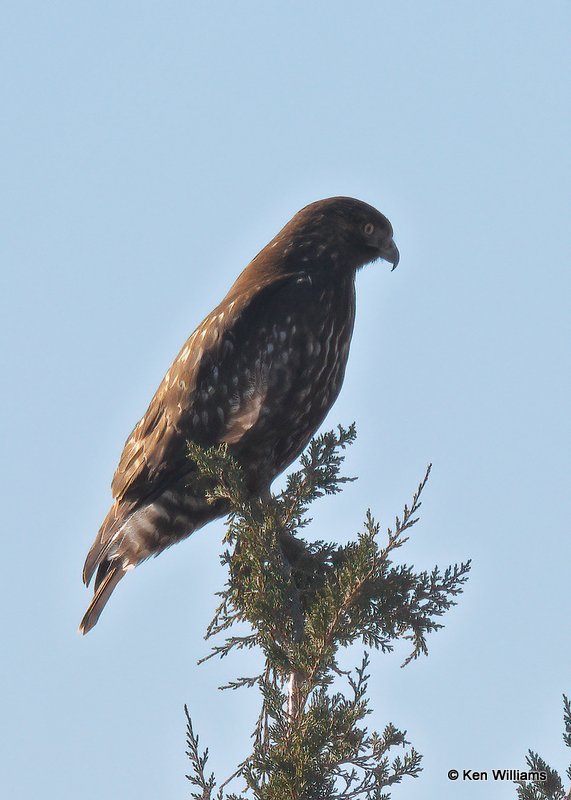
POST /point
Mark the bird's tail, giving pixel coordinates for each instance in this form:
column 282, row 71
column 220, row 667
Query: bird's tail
column 113, row 572
column 104, row 540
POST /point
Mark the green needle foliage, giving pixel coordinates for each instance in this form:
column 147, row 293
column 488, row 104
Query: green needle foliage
column 300, row 602
column 552, row 787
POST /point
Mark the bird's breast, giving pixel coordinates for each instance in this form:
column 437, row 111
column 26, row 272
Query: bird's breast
column 300, row 367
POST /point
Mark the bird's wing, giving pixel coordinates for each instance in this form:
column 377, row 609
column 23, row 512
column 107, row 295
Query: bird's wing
column 213, row 391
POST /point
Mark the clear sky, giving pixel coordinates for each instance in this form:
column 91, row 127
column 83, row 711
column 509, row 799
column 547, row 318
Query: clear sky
column 148, row 151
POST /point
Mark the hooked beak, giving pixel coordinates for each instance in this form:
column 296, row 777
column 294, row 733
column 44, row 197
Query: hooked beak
column 391, row 254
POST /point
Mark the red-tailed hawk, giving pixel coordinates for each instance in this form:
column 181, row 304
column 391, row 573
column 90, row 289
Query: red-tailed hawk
column 259, row 373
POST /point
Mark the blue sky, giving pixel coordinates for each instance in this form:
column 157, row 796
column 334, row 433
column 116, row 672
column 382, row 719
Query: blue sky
column 148, row 151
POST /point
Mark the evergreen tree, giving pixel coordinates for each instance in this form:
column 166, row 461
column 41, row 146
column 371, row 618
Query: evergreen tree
column 301, row 602
column 552, row 787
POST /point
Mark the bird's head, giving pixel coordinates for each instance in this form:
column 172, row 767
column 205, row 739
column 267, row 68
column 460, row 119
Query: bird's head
column 337, row 231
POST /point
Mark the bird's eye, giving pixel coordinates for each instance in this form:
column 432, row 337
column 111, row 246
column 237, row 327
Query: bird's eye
column 368, row 227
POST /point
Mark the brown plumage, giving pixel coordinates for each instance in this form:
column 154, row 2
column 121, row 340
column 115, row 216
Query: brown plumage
column 259, row 373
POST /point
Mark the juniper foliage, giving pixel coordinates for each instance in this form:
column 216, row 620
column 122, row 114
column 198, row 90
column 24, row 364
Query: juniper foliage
column 301, row 601
column 552, row 787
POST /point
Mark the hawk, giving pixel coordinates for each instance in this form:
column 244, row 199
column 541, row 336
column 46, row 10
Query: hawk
column 260, row 373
